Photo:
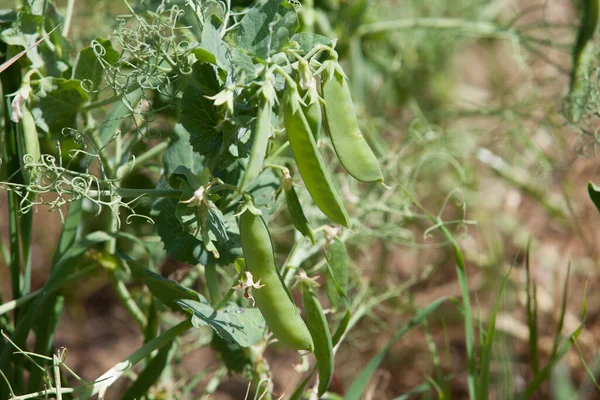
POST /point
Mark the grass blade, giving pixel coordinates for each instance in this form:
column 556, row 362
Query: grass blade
column 531, row 305
column 150, row 373
column 486, row 354
column 360, row 383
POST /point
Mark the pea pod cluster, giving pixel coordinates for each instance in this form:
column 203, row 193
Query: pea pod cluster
column 308, row 159
column 272, row 299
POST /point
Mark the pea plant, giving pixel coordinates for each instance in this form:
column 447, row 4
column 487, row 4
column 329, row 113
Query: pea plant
column 199, row 122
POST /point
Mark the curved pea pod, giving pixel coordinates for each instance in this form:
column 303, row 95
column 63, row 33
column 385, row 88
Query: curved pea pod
column 262, row 132
column 583, row 60
column 273, row 300
column 352, row 149
column 28, row 144
column 309, row 161
column 295, row 209
column 317, row 325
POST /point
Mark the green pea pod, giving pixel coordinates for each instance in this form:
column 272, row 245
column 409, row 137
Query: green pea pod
column 314, row 115
column 28, row 144
column 262, row 132
column 317, row 325
column 295, row 209
column 583, row 57
column 309, row 161
column 273, row 300
column 336, row 285
column 352, row 149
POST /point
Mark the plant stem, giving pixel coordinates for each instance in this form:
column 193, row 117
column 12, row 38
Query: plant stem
column 142, row 158
column 68, row 17
column 469, row 28
column 130, row 193
column 212, row 282
column 42, row 393
column 128, row 301
column 11, row 305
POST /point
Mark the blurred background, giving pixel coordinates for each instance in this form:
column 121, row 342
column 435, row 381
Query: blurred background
column 463, row 102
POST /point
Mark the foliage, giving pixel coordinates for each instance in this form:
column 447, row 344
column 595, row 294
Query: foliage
column 153, row 140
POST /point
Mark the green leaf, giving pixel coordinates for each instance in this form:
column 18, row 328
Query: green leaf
column 284, row 27
column 306, row 41
column 23, row 32
column 179, row 244
column 89, row 67
column 245, row 70
column 336, row 285
column 213, row 43
column 199, row 114
column 244, row 326
column 184, row 246
column 234, row 356
column 360, row 383
column 57, row 102
column 317, row 326
column 594, row 193
column 180, row 153
column 162, row 288
column 182, row 178
column 263, row 32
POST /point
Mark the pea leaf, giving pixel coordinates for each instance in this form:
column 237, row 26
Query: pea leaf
column 162, row 288
column 89, row 67
column 23, row 32
column 212, row 42
column 199, row 114
column 244, row 326
column 243, row 66
column 265, row 30
column 336, row 285
column 182, row 244
column 234, row 356
column 56, row 103
column 306, row 41
column 179, row 243
column 180, row 153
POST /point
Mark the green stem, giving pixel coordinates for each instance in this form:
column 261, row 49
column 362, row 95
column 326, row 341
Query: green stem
column 468, row 28
column 212, row 282
column 131, row 193
column 142, row 158
column 68, row 17
column 13, row 304
column 43, row 393
column 102, row 103
column 228, row 295
column 127, row 300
